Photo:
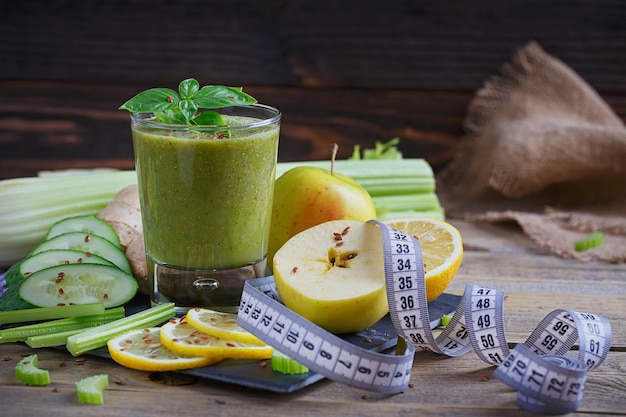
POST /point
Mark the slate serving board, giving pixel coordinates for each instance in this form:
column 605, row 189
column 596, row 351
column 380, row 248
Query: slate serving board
column 251, row 373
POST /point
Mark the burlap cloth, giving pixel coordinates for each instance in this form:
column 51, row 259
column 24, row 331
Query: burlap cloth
column 544, row 150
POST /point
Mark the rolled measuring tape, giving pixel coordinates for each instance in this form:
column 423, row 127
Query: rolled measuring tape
column 546, row 381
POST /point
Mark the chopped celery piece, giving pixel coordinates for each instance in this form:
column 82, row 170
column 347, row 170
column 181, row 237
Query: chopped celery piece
column 445, row 319
column 27, row 370
column 89, row 390
column 22, row 333
column 592, row 240
column 97, row 337
column 50, row 313
column 286, row 365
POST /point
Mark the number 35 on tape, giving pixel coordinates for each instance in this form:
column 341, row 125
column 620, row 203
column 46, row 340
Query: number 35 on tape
column 545, row 380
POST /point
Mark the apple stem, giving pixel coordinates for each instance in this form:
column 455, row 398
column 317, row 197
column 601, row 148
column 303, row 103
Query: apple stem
column 333, row 155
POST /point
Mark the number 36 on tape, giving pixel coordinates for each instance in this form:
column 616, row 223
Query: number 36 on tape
column 545, row 380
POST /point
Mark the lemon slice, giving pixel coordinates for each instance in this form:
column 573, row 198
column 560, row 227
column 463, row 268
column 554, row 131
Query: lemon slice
column 222, row 325
column 181, row 337
column 142, row 349
column 442, row 249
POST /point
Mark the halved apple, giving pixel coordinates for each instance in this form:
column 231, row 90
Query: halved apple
column 333, row 275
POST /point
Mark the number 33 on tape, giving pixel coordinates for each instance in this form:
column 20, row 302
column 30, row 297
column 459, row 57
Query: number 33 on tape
column 545, row 380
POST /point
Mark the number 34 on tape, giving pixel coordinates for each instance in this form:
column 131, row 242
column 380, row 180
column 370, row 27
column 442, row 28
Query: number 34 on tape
column 546, row 381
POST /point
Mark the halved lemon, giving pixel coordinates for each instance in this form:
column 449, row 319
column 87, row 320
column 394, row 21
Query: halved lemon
column 142, row 349
column 222, row 325
column 442, row 249
column 181, row 337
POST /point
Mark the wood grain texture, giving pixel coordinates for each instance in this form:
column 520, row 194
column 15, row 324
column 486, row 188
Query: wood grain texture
column 403, row 44
column 350, row 72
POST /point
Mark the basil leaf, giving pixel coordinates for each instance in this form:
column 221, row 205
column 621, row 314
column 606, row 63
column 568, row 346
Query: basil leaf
column 172, row 116
column 188, row 88
column 188, row 108
column 209, row 118
column 152, row 100
column 217, row 96
column 169, row 106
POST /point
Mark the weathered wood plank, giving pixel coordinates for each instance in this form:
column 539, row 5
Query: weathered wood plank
column 51, row 125
column 414, row 44
column 441, row 386
column 57, row 125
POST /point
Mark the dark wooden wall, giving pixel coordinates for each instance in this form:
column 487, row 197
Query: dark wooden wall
column 341, row 71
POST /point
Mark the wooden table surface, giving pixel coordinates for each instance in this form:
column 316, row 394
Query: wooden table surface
column 499, row 256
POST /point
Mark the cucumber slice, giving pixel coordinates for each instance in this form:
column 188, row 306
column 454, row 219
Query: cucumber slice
column 87, row 224
column 86, row 242
column 55, row 257
column 11, row 300
column 78, row 284
column 13, row 276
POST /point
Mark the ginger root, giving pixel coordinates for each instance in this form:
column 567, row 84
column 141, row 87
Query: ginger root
column 123, row 213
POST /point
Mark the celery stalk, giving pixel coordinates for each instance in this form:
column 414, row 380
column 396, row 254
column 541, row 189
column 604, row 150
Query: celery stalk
column 401, row 185
column 367, row 168
column 29, row 206
column 53, row 339
column 22, row 333
column 50, row 313
column 417, row 201
column 97, row 337
column 391, row 214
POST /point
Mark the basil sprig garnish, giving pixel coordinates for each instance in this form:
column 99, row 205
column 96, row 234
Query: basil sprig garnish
column 169, row 106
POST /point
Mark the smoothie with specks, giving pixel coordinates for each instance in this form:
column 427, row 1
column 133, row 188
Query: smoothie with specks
column 206, row 194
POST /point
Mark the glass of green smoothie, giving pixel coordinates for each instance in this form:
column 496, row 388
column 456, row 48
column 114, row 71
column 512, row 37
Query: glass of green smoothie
column 206, row 197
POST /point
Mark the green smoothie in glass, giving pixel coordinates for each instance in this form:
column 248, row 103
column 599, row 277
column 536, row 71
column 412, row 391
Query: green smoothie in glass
column 206, row 197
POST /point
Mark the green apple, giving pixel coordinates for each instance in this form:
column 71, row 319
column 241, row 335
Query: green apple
column 333, row 275
column 307, row 196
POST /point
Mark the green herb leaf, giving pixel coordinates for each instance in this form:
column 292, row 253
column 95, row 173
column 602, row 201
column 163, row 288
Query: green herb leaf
column 171, row 107
column 171, row 116
column 388, row 150
column 209, row 118
column 188, row 88
column 218, row 96
column 188, row 108
column 152, row 100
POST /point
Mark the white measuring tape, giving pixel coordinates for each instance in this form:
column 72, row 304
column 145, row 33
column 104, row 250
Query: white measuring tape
column 546, row 381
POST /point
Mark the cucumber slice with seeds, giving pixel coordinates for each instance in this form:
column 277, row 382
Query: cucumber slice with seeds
column 55, row 257
column 86, row 224
column 78, row 284
column 86, row 242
